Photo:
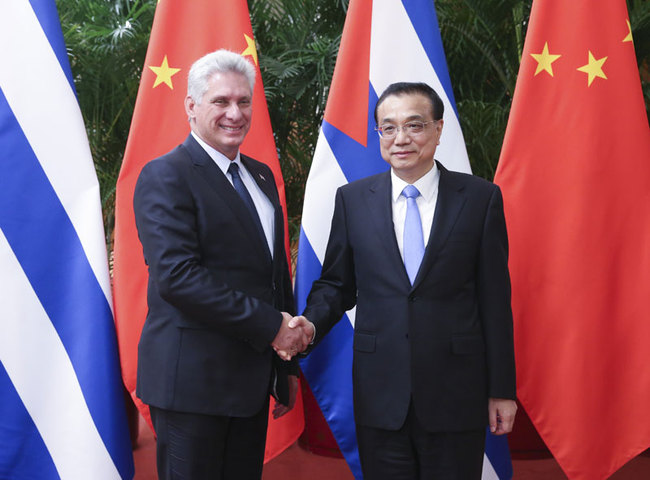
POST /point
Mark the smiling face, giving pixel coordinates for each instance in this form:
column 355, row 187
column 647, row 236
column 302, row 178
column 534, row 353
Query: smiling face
column 223, row 117
column 410, row 156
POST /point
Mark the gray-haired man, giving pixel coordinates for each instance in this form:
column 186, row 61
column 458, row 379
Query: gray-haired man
column 212, row 232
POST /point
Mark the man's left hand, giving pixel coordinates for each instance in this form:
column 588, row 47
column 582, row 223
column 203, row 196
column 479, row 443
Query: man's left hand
column 279, row 409
column 501, row 415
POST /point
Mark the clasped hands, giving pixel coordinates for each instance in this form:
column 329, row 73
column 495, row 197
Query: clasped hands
column 294, row 336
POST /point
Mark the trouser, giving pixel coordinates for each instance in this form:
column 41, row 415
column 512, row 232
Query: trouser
column 412, row 453
column 208, row 447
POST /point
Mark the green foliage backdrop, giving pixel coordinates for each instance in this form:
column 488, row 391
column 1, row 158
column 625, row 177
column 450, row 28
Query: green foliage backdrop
column 107, row 42
column 297, row 43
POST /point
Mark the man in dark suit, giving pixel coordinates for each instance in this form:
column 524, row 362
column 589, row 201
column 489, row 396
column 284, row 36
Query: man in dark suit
column 423, row 254
column 212, row 232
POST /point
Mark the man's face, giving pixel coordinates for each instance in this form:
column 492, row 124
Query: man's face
column 410, row 155
column 223, row 117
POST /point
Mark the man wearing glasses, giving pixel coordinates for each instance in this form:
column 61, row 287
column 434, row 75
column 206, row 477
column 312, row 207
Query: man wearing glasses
column 423, row 254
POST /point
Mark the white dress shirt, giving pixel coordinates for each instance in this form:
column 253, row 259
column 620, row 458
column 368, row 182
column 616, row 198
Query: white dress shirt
column 263, row 205
column 427, row 185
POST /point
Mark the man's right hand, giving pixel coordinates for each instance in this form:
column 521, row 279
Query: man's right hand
column 295, row 334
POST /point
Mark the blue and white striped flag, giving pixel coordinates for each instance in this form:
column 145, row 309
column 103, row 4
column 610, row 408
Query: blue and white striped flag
column 61, row 398
column 383, row 42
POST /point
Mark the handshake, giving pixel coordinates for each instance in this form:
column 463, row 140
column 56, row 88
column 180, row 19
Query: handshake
column 294, row 336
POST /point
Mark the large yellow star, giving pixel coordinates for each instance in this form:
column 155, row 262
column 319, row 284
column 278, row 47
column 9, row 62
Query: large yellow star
column 164, row 74
column 544, row 60
column 628, row 37
column 594, row 68
column 250, row 49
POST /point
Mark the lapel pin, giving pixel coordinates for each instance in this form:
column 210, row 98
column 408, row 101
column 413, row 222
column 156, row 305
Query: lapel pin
column 262, row 177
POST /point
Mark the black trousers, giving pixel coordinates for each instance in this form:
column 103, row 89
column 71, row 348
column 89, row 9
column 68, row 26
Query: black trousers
column 412, row 453
column 206, row 447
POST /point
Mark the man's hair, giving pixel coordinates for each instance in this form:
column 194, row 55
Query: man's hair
column 412, row 88
column 221, row 61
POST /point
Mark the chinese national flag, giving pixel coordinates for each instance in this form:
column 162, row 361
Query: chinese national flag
column 575, row 175
column 182, row 32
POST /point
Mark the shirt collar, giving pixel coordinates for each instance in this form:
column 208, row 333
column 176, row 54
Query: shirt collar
column 219, row 158
column 427, row 184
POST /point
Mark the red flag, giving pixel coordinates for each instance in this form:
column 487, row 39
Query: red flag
column 182, row 32
column 575, row 175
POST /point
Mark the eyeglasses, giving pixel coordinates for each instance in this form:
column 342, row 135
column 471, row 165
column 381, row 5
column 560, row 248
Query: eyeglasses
column 388, row 131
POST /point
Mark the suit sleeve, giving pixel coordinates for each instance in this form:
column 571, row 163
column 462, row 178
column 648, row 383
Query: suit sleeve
column 288, row 304
column 335, row 291
column 494, row 301
column 292, row 366
column 165, row 219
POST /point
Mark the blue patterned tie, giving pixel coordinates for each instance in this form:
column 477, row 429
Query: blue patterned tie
column 241, row 189
column 413, row 240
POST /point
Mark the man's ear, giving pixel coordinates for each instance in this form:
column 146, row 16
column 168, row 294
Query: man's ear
column 190, row 104
column 439, row 126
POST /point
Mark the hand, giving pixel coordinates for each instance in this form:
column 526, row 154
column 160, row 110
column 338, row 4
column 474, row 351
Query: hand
column 307, row 327
column 279, row 409
column 501, row 412
column 294, row 336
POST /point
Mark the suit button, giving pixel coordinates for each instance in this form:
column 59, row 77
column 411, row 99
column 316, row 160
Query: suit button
column 412, row 299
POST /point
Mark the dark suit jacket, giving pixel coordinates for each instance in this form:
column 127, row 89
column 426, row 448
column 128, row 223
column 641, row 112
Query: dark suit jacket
column 446, row 342
column 214, row 294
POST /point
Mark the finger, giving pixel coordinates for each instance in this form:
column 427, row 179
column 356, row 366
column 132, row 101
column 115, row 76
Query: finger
column 501, row 430
column 308, row 334
column 280, row 411
column 296, row 321
column 300, row 345
column 504, row 424
column 312, row 332
column 508, row 423
column 493, row 420
column 284, row 355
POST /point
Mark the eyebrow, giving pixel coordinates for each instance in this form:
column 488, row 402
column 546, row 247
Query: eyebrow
column 408, row 119
column 228, row 98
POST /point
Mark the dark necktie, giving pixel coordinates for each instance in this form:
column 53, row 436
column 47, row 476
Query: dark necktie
column 413, row 239
column 241, row 189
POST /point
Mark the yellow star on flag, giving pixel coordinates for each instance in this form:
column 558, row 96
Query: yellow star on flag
column 164, row 74
column 628, row 37
column 544, row 60
column 250, row 49
column 594, row 68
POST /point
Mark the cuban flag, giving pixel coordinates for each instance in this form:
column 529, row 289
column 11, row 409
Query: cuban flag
column 61, row 398
column 383, row 42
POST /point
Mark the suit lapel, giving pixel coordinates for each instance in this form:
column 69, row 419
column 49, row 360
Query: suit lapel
column 216, row 179
column 267, row 185
column 448, row 206
column 379, row 202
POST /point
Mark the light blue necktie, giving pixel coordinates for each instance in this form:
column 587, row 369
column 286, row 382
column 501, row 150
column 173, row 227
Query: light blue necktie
column 413, row 240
